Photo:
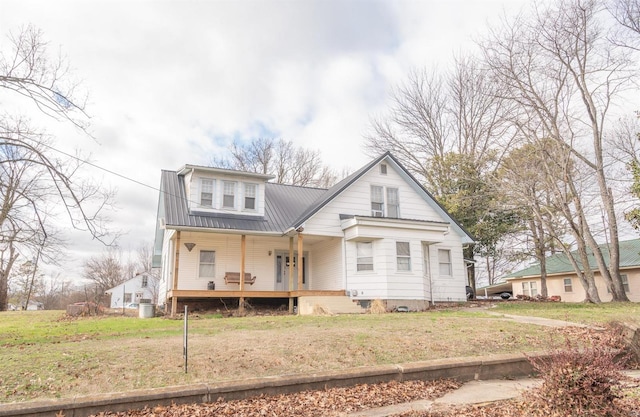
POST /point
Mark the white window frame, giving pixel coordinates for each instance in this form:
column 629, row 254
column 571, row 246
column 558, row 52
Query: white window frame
column 445, row 267
column 202, row 191
column 393, row 207
column 224, row 194
column 383, row 169
column 625, row 282
column 145, row 281
column 530, row 288
column 568, row 284
column 201, row 264
column 377, row 207
column 246, row 186
column 403, row 267
column 364, row 262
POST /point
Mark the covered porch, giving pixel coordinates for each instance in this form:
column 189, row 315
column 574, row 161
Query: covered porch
column 291, row 266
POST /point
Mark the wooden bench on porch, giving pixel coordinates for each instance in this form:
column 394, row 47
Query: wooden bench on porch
column 234, row 278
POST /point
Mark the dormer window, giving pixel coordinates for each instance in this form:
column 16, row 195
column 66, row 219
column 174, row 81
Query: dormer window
column 250, row 196
column 229, row 195
column 206, row 192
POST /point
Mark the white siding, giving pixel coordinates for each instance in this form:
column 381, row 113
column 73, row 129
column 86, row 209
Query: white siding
column 449, row 288
column 166, row 274
column 332, row 259
column 258, row 261
column 386, row 282
column 356, row 199
column 192, row 184
column 327, row 261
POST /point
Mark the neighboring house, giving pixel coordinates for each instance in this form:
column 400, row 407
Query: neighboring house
column 33, row 305
column 564, row 282
column 377, row 234
column 141, row 288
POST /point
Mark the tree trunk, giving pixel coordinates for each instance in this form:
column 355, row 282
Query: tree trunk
column 471, row 269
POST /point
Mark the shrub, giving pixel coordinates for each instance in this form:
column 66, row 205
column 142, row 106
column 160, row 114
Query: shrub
column 378, row 307
column 581, row 380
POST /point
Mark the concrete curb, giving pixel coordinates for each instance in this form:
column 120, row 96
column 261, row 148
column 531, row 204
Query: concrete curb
column 461, row 369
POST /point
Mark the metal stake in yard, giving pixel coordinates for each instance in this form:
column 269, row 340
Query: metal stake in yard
column 184, row 344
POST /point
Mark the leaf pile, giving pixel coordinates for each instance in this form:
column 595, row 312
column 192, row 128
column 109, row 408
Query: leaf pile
column 629, row 406
column 329, row 402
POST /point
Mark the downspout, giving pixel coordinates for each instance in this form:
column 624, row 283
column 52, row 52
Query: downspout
column 428, row 249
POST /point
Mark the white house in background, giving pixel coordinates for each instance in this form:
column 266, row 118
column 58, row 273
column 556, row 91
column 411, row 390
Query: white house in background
column 141, row 288
column 377, row 234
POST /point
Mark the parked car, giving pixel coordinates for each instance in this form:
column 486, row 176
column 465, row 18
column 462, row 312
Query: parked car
column 470, row 293
column 505, row 295
column 132, row 305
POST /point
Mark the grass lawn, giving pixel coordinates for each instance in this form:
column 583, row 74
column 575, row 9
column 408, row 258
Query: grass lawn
column 45, row 355
column 585, row 313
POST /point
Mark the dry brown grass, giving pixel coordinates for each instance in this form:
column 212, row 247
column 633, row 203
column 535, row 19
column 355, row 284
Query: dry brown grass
column 148, row 353
column 378, row 307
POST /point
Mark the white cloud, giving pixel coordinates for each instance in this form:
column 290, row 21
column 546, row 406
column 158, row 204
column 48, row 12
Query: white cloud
column 173, row 82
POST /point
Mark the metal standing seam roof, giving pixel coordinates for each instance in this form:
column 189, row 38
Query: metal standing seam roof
column 286, row 206
column 559, row 263
column 283, row 204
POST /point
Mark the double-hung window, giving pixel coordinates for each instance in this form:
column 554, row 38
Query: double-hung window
column 530, row 288
column 229, row 194
column 207, row 268
column 403, row 256
column 145, row 281
column 206, row 192
column 625, row 282
column 444, row 262
column 250, row 196
column 393, row 203
column 568, row 285
column 364, row 256
column 377, row 201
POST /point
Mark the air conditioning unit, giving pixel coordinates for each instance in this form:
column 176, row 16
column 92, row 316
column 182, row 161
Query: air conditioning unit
column 377, row 213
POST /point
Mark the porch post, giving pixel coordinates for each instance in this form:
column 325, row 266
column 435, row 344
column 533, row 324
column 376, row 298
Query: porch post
column 174, row 299
column 243, row 249
column 290, row 274
column 300, row 266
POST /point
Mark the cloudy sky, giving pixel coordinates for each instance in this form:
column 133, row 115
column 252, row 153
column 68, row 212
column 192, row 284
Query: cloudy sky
column 175, row 82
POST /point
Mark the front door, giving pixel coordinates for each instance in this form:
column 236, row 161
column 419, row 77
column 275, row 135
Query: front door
column 284, row 267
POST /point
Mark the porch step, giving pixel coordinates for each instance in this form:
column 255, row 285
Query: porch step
column 330, row 304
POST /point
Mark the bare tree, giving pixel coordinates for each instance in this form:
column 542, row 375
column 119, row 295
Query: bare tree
column 541, row 177
column 288, row 163
column 564, row 76
column 449, row 129
column 35, row 178
column 627, row 14
column 105, row 271
column 54, row 292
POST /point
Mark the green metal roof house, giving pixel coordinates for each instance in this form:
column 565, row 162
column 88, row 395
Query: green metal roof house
column 563, row 281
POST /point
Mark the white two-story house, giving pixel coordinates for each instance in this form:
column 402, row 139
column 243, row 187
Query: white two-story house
column 376, row 235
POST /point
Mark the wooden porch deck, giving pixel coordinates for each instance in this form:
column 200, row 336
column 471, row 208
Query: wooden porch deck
column 251, row 294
